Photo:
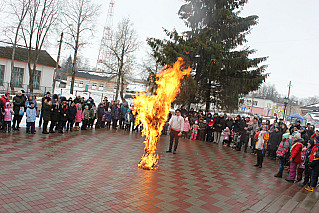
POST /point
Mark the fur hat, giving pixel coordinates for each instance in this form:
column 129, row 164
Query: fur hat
column 297, row 136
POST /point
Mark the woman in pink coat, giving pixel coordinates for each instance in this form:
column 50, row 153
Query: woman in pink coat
column 79, row 116
column 186, row 128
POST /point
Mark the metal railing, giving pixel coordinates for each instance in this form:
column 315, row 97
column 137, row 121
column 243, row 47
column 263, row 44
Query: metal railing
column 38, row 92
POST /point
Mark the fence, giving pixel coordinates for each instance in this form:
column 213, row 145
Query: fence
column 38, row 92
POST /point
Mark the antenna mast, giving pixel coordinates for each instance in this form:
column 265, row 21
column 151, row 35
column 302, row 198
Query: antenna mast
column 104, row 57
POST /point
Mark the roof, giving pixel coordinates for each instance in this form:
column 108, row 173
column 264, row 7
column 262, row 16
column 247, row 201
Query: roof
column 21, row 55
column 90, row 76
column 296, row 116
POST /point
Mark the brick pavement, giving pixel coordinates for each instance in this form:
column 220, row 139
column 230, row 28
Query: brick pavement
column 96, row 171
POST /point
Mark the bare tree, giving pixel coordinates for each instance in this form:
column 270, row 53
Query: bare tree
column 79, row 19
column 123, row 46
column 40, row 19
column 20, row 9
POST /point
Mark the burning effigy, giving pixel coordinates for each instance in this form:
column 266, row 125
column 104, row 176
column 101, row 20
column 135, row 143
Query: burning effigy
column 152, row 110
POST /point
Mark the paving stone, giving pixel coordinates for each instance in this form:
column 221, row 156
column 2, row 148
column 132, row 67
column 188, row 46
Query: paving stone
column 96, row 171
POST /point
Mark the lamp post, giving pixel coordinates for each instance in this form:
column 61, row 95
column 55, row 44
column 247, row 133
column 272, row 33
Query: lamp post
column 285, row 109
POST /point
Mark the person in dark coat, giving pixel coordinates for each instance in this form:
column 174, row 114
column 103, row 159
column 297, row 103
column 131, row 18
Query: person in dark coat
column 100, row 113
column 304, row 134
column 77, row 100
column 236, row 129
column 55, row 114
column 71, row 118
column 308, row 169
column 274, row 141
column 18, row 105
column 48, row 95
column 245, row 131
column 116, row 115
column 184, row 111
column 202, row 130
column 219, row 126
column 46, row 109
column 64, row 115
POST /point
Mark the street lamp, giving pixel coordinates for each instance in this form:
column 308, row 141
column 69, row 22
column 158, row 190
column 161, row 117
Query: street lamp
column 285, row 104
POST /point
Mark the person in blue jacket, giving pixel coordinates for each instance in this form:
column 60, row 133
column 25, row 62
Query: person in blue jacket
column 31, row 114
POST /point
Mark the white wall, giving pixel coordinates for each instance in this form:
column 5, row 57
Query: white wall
column 46, row 75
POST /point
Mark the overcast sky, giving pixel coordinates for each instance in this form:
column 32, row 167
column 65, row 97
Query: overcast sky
column 287, row 32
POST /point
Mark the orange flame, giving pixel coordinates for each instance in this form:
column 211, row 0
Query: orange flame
column 152, row 111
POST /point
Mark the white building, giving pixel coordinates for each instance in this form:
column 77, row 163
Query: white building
column 43, row 77
column 261, row 107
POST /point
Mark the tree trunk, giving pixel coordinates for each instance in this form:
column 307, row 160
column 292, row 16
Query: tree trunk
column 118, row 85
column 31, row 76
column 122, row 87
column 208, row 92
column 12, row 59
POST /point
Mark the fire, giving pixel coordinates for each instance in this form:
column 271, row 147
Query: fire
column 152, row 111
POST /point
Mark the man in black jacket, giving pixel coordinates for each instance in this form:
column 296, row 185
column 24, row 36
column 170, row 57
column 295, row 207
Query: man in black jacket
column 219, row 125
column 48, row 95
column 244, row 134
column 275, row 138
column 18, row 105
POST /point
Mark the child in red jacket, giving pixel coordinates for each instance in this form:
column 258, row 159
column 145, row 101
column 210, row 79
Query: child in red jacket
column 295, row 157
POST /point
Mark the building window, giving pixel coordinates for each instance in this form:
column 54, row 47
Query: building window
column 94, row 85
column 1, row 74
column 81, row 84
column 18, row 77
column 37, row 79
column 101, row 87
column 76, row 83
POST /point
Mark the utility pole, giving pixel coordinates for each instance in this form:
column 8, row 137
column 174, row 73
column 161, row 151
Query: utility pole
column 286, row 101
column 57, row 63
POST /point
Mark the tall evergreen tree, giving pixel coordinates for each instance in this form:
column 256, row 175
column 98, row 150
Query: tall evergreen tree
column 223, row 71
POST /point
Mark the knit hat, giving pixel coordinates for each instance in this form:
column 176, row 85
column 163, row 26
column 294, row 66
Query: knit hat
column 7, row 93
column 286, row 135
column 297, row 136
column 8, row 103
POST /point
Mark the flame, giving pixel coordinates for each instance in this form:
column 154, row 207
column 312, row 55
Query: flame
column 152, row 111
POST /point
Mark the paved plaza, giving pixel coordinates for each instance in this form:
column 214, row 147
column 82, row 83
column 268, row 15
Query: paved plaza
column 96, row 171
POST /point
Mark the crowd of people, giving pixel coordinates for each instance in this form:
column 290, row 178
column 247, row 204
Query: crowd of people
column 59, row 114
column 295, row 146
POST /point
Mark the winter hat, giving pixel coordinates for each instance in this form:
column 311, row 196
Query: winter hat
column 6, row 94
column 277, row 127
column 196, row 122
column 186, row 119
column 297, row 136
column 8, row 103
column 286, row 135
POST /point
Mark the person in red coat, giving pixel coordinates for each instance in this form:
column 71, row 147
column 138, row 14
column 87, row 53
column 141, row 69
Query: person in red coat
column 5, row 99
column 295, row 156
column 314, row 150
